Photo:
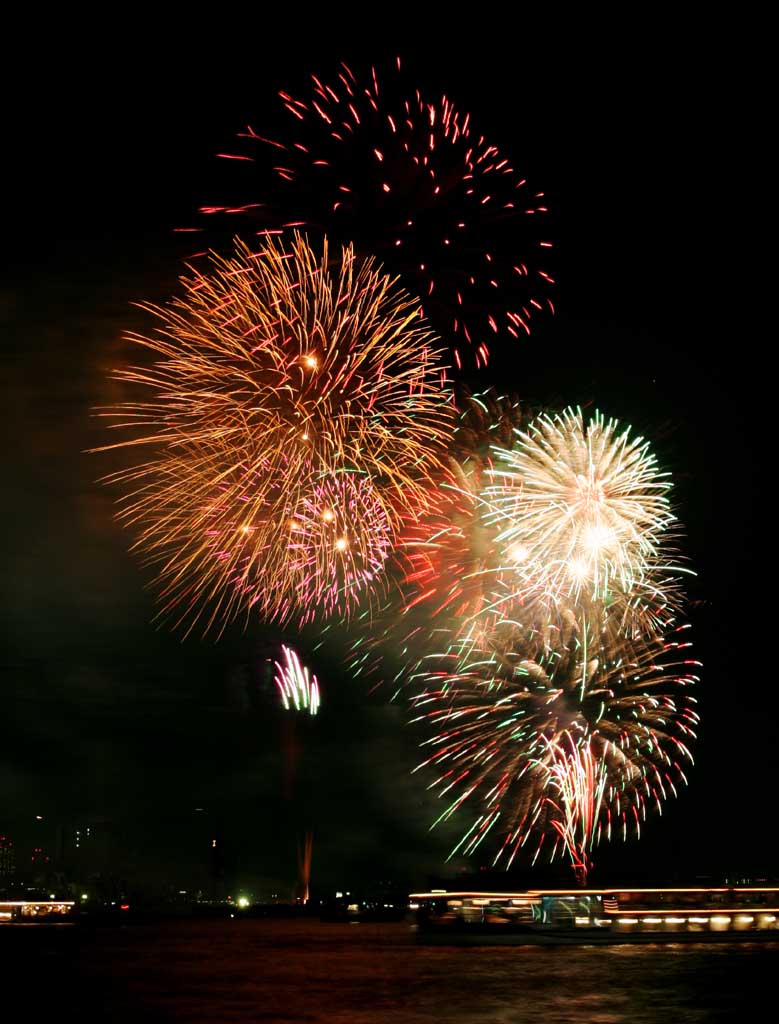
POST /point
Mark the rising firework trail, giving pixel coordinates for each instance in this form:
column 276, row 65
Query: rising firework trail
column 299, row 691
column 305, row 856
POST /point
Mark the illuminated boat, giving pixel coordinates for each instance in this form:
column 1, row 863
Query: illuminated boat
column 34, row 911
column 598, row 916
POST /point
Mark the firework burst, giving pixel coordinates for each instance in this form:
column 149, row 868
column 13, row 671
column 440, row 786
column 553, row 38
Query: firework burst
column 581, row 511
column 469, row 576
column 298, row 688
column 340, row 538
column 518, row 734
column 412, row 182
column 277, row 376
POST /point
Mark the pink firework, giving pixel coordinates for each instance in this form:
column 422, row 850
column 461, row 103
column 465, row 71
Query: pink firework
column 339, row 540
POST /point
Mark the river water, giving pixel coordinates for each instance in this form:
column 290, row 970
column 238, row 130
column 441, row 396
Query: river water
column 284, row 971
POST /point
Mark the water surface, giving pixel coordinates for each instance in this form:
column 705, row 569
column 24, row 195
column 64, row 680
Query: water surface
column 283, row 971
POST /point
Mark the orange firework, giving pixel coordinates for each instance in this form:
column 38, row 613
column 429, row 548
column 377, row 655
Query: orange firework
column 278, row 374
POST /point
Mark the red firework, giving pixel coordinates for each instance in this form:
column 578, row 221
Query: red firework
column 410, row 181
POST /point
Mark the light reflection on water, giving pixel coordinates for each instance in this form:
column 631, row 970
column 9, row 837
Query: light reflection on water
column 283, row 971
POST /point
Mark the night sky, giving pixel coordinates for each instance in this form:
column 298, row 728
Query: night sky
column 647, row 150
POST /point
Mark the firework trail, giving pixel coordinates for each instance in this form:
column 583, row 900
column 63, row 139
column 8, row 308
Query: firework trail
column 299, row 691
column 305, row 856
column 411, row 181
column 501, row 723
column 283, row 384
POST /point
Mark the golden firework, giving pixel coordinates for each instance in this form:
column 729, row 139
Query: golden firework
column 276, row 370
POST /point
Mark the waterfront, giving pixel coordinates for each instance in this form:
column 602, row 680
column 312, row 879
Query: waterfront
column 206, row 972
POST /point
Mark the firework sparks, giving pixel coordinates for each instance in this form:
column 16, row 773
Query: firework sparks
column 449, row 551
column 463, row 583
column 503, row 724
column 443, row 577
column 557, row 705
column 277, row 378
column 340, row 538
column 298, row 688
column 581, row 510
column 411, row 181
column 579, row 780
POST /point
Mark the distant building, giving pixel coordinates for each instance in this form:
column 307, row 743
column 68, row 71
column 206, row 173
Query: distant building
column 91, row 858
column 40, row 866
column 90, row 847
column 218, row 888
column 7, row 860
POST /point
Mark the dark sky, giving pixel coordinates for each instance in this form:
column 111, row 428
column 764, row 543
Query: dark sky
column 647, row 144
